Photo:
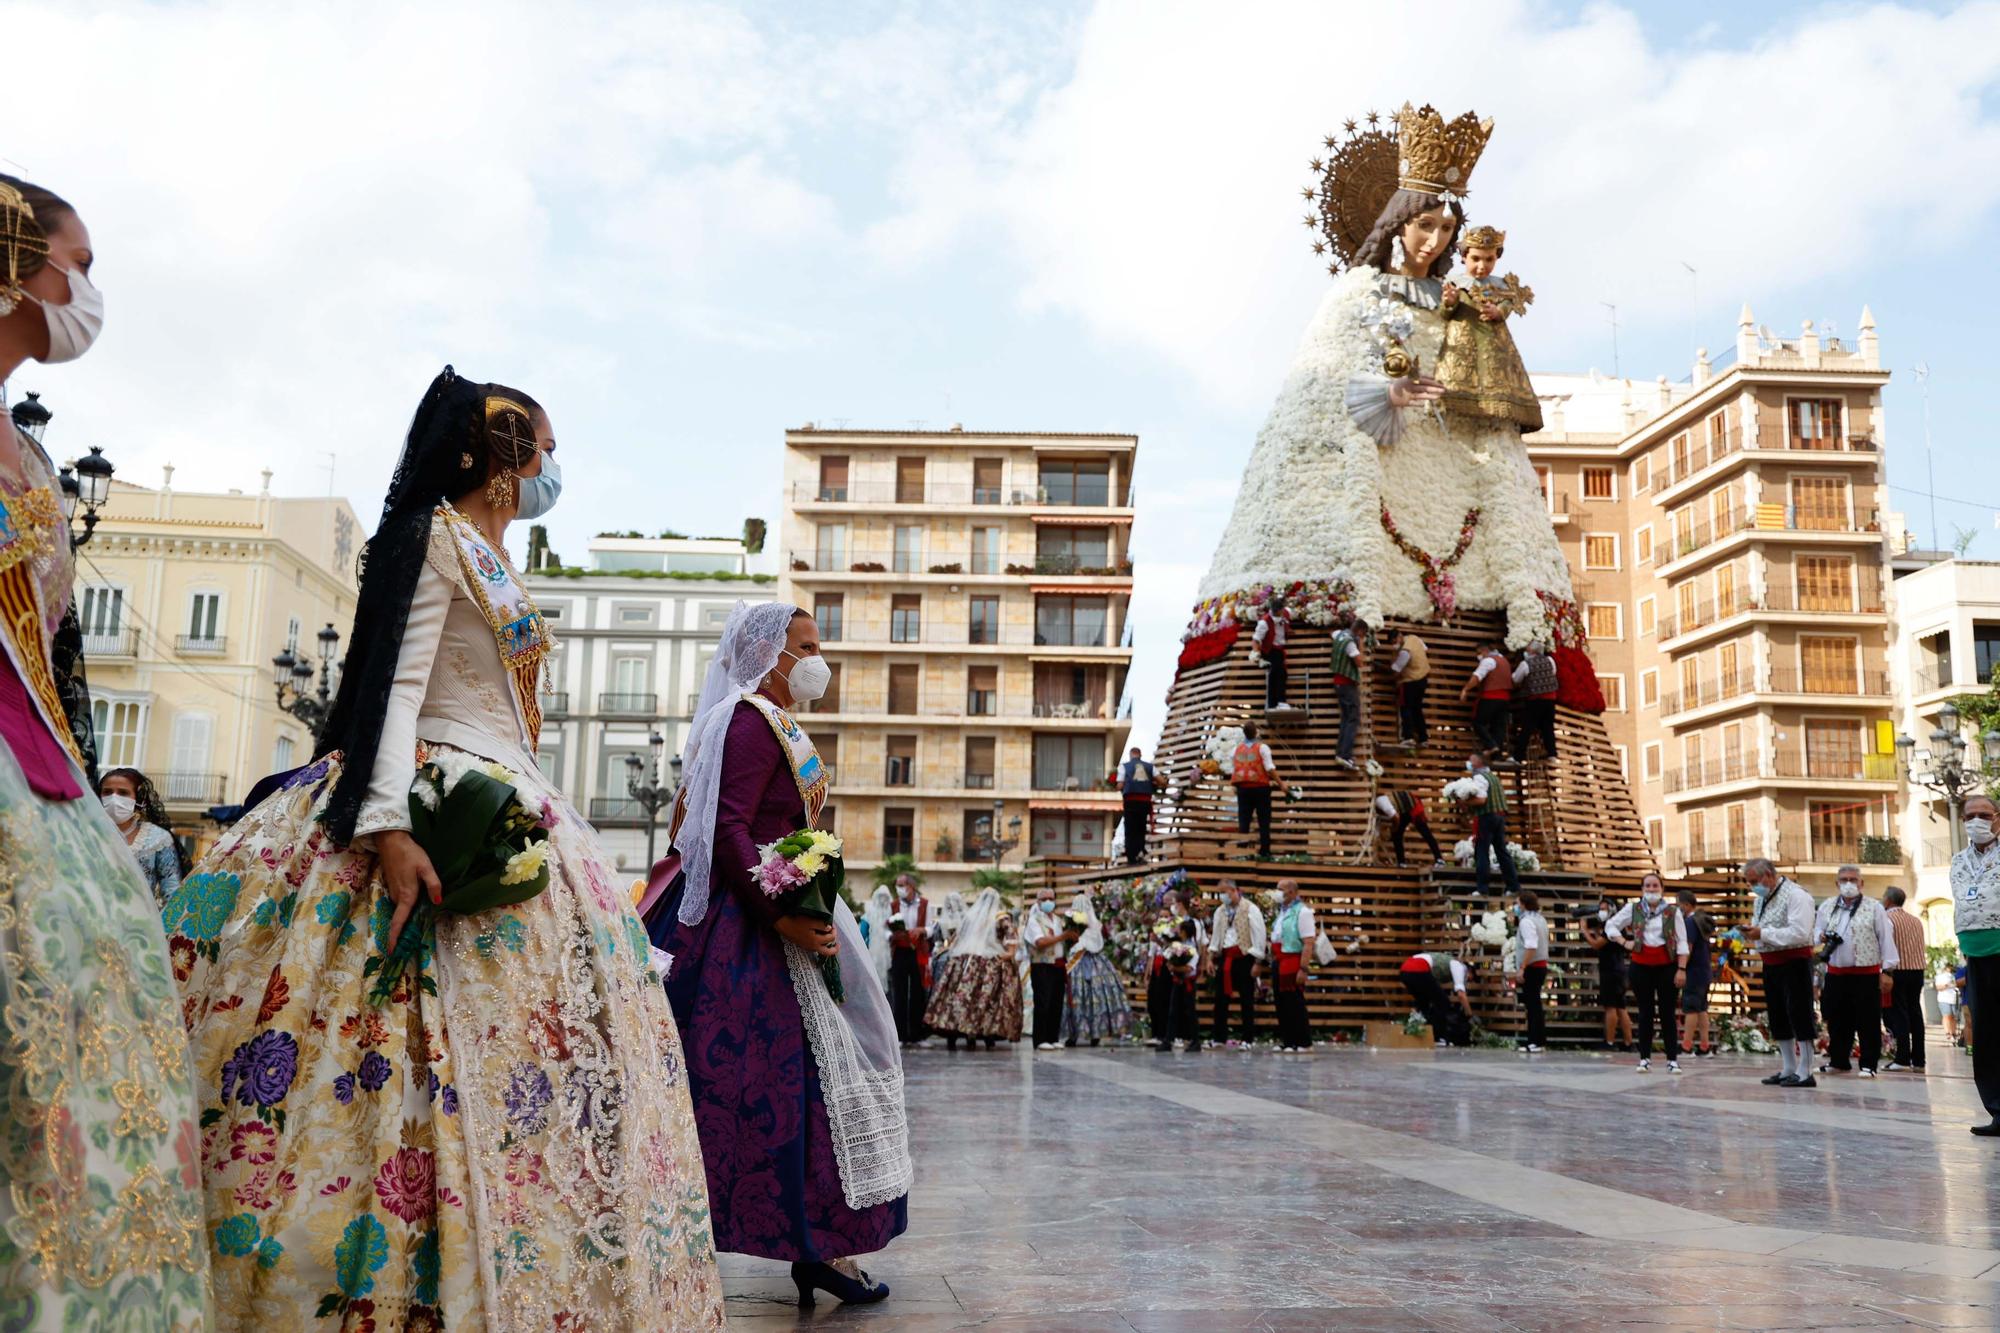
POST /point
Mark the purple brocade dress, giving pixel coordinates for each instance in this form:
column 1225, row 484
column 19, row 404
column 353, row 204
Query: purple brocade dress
column 773, row 1187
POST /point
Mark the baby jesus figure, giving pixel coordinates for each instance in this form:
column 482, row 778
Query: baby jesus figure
column 1479, row 367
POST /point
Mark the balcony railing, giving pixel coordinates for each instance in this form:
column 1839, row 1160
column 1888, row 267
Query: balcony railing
column 949, row 562
column 1707, row 532
column 555, row 703
column 112, row 643
column 1102, row 712
column 1863, row 598
column 607, row 808
column 1707, row 692
column 629, row 705
column 199, row 789
column 961, row 636
column 1705, row 613
column 977, row 781
column 949, row 493
column 1698, row 456
column 1786, row 680
column 1784, row 764
column 201, row 645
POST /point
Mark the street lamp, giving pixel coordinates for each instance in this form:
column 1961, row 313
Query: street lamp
column 642, row 783
column 1943, row 768
column 89, row 485
column 32, row 416
column 986, row 839
column 293, row 677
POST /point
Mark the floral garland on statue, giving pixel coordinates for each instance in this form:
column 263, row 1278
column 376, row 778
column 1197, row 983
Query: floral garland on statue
column 1218, row 621
column 1576, row 675
column 1565, row 620
column 1438, row 580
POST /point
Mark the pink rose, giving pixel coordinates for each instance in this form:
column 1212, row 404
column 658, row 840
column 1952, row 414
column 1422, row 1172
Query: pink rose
column 777, row 877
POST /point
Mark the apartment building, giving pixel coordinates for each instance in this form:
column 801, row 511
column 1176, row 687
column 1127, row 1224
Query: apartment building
column 1726, row 535
column 184, row 598
column 972, row 590
column 636, row 627
column 1946, row 644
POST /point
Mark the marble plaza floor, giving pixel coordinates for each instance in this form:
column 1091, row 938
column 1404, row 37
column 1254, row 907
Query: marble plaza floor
column 1132, row 1192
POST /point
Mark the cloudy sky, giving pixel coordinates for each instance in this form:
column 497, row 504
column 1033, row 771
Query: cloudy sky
column 687, row 227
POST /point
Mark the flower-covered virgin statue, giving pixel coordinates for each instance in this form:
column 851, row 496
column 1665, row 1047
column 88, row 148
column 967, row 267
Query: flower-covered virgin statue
column 1364, row 475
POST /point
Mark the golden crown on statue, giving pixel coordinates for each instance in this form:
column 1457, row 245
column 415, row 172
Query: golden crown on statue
column 1438, row 155
column 1483, row 238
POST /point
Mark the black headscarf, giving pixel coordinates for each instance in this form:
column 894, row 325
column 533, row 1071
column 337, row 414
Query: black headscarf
column 449, row 428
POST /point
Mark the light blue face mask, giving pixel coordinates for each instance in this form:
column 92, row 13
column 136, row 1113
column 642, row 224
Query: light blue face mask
column 540, row 492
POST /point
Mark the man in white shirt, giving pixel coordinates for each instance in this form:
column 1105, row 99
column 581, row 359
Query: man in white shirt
column 1236, row 946
column 1267, row 642
column 1424, row 977
column 1531, row 939
column 1781, row 930
column 1656, row 932
column 1857, row 972
column 1044, row 935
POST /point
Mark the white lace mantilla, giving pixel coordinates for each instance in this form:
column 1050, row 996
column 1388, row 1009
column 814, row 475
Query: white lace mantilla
column 860, row 1071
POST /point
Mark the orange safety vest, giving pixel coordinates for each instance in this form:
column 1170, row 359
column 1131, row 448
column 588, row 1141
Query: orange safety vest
column 1246, row 767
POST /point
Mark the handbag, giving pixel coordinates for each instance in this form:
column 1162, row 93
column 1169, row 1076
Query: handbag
column 1323, row 951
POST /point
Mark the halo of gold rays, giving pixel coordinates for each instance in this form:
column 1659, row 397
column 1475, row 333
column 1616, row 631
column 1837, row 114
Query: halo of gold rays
column 1351, row 185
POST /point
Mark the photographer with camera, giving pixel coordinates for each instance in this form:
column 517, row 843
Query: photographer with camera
column 1611, row 973
column 1857, row 945
column 1781, row 929
column 1659, row 943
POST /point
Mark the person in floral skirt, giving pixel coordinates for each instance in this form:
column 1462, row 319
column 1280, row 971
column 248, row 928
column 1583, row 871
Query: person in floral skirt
column 979, row 996
column 1094, row 1002
column 502, row 1138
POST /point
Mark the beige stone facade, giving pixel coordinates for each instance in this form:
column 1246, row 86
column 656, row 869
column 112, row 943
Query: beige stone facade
column 972, row 591
column 184, row 599
column 1726, row 535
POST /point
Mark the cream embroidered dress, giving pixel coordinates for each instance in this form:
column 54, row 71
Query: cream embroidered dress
column 513, row 1151
column 100, row 1205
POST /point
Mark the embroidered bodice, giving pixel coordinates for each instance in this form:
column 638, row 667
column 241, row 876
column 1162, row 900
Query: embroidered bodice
column 469, row 669
column 37, row 570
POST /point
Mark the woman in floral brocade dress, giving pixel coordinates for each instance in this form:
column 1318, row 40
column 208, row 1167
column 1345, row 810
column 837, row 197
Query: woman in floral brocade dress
column 1094, row 1001
column 506, row 1142
column 100, row 1196
column 979, row 996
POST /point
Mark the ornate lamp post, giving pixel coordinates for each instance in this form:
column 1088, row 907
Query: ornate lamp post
column 32, row 416
column 642, row 783
column 1943, row 768
column 293, row 676
column 86, row 482
column 986, row 839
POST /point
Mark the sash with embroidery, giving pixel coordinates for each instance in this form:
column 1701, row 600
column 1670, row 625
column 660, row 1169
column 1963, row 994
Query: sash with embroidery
column 30, row 533
column 807, row 771
column 517, row 623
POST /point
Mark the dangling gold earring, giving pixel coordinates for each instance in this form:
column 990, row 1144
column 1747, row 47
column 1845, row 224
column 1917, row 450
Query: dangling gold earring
column 502, row 492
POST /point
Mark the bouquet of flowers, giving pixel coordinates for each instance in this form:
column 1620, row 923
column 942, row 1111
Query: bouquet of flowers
column 488, row 849
column 1463, row 790
column 1525, row 859
column 1180, row 956
column 802, row 873
column 1222, row 745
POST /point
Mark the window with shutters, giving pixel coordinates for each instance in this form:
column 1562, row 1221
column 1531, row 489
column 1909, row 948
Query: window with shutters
column 1725, row 669
column 1642, row 474
column 1735, row 831
column 1605, row 620
column 1680, row 450
column 1648, row 613
column 1600, row 550
column 986, row 480
column 1649, row 761
column 899, row 831
column 1690, row 681
column 1835, row 829
column 204, row 622
column 1833, row 748
column 830, row 613
column 1826, row 583
column 909, row 481
column 979, row 769
column 188, row 759
column 1732, row 751
column 1614, row 692
column 1656, row 833
column 1819, row 504
column 906, row 618
column 120, row 725
column 1693, row 752
column 1599, row 483
column 1685, row 605
column 102, row 612
column 1828, row 665
column 901, row 767
column 1815, row 423
column 1718, row 434
column 982, row 691
column 1725, row 590
column 830, row 549
column 903, row 680
column 833, row 477
column 1649, row 689
column 1697, row 831
column 1642, row 545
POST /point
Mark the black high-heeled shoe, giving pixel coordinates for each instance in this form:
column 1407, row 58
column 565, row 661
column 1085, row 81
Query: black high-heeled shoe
column 825, row 1277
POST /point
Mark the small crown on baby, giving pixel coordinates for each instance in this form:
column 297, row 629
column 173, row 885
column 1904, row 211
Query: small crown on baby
column 1483, row 238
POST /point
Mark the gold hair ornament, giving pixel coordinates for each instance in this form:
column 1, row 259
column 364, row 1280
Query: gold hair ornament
column 23, row 244
column 1369, row 160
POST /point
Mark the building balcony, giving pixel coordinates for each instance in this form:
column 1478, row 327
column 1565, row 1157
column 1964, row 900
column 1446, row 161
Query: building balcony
column 917, row 780
column 961, row 636
column 950, row 495
column 617, row 810
column 196, row 789
column 1746, row 689
column 628, row 705
column 1864, row 598
column 555, row 703
column 1785, row 767
column 954, row 565
column 200, row 645
column 112, row 643
column 1704, row 464
column 1713, row 538
column 1797, row 841
column 1047, row 717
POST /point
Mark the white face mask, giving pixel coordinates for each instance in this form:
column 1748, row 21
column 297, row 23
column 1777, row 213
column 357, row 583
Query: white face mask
column 1980, row 829
column 119, row 806
column 1849, row 889
column 75, row 326
column 808, row 677
column 1652, row 898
